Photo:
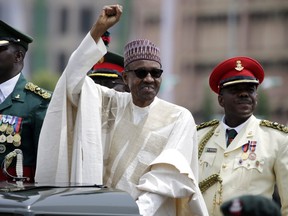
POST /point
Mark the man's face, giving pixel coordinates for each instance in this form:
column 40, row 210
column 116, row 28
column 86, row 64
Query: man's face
column 7, row 58
column 239, row 101
column 11, row 61
column 145, row 89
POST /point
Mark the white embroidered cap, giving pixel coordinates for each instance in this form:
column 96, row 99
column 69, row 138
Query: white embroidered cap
column 141, row 49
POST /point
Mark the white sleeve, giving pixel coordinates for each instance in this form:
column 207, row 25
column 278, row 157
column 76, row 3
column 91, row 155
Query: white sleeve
column 81, row 61
column 162, row 185
column 58, row 129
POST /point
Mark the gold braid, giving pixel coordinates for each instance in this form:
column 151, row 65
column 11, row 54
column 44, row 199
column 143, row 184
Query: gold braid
column 274, row 125
column 214, row 178
column 208, row 182
column 205, row 140
column 37, row 90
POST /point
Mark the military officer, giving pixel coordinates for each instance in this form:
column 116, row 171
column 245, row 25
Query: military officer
column 22, row 108
column 256, row 158
column 108, row 72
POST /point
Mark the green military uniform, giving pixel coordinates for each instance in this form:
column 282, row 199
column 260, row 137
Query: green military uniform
column 22, row 112
column 22, row 115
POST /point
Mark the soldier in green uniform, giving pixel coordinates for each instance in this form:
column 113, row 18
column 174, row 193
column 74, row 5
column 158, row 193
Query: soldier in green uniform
column 23, row 106
column 256, row 157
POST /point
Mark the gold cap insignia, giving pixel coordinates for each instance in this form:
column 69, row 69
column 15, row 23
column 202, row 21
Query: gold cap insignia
column 239, row 66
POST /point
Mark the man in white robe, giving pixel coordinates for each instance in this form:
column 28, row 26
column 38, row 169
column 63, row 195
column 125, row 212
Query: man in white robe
column 134, row 142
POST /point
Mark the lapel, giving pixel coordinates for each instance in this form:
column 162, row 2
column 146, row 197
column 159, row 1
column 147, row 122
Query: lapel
column 246, row 133
column 219, row 136
column 18, row 93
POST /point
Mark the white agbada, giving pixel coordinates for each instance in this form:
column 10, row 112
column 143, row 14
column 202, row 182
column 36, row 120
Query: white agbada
column 92, row 134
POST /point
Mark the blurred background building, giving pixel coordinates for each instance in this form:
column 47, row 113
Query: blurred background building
column 194, row 36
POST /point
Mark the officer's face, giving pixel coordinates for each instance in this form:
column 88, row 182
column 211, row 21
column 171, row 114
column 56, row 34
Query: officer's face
column 239, row 101
column 9, row 57
column 6, row 58
column 145, row 89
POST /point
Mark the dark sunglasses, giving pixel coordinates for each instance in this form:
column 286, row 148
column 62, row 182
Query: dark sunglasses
column 141, row 73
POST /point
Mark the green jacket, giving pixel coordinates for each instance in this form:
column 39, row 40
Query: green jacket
column 21, row 117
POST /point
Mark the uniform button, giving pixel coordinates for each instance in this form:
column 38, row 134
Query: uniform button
column 226, row 154
column 224, row 166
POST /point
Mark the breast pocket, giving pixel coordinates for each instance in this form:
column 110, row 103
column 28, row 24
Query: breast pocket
column 206, row 164
column 245, row 170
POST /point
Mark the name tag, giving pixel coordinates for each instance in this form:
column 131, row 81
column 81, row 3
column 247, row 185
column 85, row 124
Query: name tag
column 211, row 150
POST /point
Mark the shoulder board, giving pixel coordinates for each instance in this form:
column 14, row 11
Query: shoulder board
column 208, row 124
column 37, row 90
column 274, row 125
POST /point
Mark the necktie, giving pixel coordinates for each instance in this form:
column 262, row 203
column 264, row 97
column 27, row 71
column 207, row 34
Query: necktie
column 231, row 134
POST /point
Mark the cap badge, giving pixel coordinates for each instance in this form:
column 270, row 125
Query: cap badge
column 239, row 66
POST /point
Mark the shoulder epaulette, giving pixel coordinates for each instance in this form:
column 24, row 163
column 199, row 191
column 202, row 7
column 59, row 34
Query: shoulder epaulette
column 274, row 125
column 208, row 124
column 37, row 90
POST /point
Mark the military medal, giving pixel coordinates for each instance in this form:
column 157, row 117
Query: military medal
column 10, row 129
column 17, row 129
column 2, row 148
column 10, row 138
column 244, row 156
column 2, row 138
column 245, row 148
column 252, row 155
column 16, row 144
column 17, row 140
column 11, row 123
column 3, row 127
